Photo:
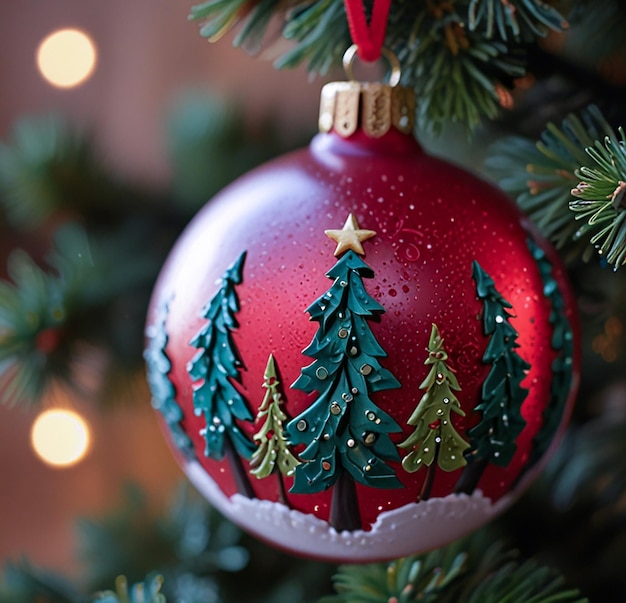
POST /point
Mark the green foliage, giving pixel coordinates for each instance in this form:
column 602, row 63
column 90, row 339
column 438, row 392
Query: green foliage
column 36, row 306
column 50, row 167
column 541, row 175
column 321, row 30
column 202, row 557
column 22, row 583
column 148, row 591
column 600, row 198
column 456, row 73
column 526, row 19
column 584, row 159
column 589, row 468
column 600, row 21
column 47, row 314
column 189, row 545
column 457, row 55
column 210, row 143
column 471, row 570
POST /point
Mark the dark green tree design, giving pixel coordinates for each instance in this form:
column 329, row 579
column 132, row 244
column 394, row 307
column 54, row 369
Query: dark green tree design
column 158, row 366
column 344, row 433
column 493, row 439
column 435, row 440
column 273, row 454
column 562, row 365
column 215, row 367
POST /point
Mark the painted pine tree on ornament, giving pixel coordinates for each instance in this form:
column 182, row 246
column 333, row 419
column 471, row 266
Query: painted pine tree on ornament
column 214, row 368
column 493, row 439
column 273, row 455
column 158, row 366
column 435, row 441
column 344, row 434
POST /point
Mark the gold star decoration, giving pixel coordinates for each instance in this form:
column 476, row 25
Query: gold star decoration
column 349, row 237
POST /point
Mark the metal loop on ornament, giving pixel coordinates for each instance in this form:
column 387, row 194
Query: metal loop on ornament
column 394, row 63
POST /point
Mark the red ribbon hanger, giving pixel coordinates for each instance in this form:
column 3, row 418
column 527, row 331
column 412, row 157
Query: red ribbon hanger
column 368, row 38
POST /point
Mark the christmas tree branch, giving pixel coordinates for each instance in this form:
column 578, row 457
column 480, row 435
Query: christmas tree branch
column 474, row 570
column 458, row 54
column 545, row 178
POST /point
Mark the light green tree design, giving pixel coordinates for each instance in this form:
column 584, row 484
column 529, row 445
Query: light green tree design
column 273, row 454
column 435, row 440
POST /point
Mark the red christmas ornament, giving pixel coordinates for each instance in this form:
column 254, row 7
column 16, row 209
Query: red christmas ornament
column 360, row 351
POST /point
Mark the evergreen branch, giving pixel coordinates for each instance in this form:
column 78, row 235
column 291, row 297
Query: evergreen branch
column 321, row 30
column 459, row 71
column 599, row 198
column 600, row 21
column 189, row 539
column 22, row 583
column 525, row 19
column 141, row 592
column 48, row 166
column 218, row 16
column 540, row 175
column 32, row 311
column 457, row 74
column 46, row 314
column 471, row 570
column 588, row 467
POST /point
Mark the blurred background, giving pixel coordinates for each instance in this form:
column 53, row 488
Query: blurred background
column 148, row 59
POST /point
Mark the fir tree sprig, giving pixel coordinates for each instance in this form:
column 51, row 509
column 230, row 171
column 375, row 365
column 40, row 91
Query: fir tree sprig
column 49, row 166
column 188, row 539
column 148, row 591
column 523, row 19
column 23, row 583
column 47, row 314
column 456, row 73
column 600, row 198
column 540, row 175
column 32, row 312
column 456, row 54
column 471, row 570
column 588, row 467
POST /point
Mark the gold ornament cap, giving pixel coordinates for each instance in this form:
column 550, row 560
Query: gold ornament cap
column 373, row 106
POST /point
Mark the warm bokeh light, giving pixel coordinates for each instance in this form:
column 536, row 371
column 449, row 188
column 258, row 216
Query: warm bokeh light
column 66, row 58
column 60, row 437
